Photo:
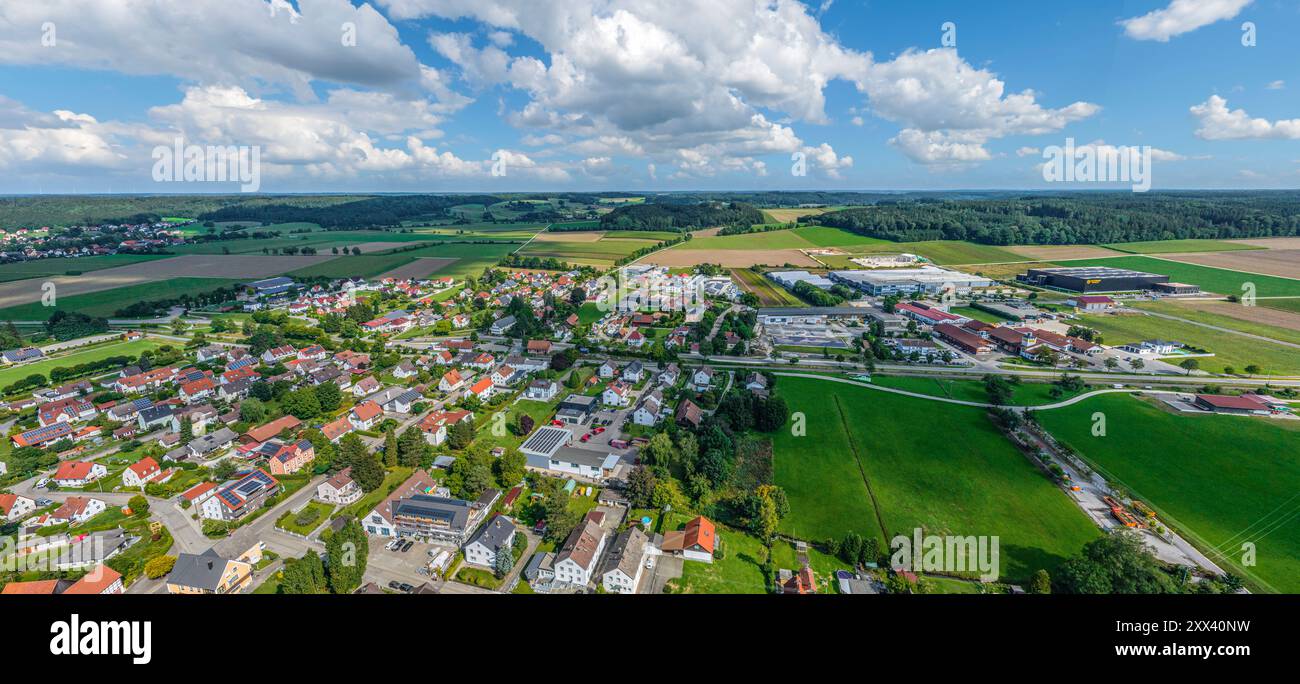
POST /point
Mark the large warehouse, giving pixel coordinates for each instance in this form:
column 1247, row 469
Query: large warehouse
column 1092, row 279
column 926, row 279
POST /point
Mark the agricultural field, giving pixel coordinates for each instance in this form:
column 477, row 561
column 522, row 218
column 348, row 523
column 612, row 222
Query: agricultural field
column 19, row 293
column 106, row 302
column 918, row 476
column 1220, row 480
column 20, row 270
column 768, row 292
column 460, row 259
column 1053, row 252
column 1257, row 320
column 421, row 267
column 825, row 236
column 1228, row 349
column 586, row 248
column 1178, row 246
column 1281, row 304
column 786, row 215
column 1210, row 279
column 11, row 374
column 1284, row 263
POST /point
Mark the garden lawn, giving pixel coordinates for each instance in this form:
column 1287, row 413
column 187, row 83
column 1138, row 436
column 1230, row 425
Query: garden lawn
column 920, row 476
column 738, row 571
column 318, row 511
column 1221, row 480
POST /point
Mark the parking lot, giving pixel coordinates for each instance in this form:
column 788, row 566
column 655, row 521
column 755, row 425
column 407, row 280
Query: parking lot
column 384, row 565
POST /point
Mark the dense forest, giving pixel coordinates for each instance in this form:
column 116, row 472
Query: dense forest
column 386, row 211
column 680, row 216
column 1077, row 218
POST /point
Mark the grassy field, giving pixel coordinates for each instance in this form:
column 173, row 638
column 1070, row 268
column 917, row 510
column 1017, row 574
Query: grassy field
column 1024, row 394
column 1179, row 246
column 470, row 259
column 1281, row 304
column 1228, row 349
column 1223, row 320
column 768, row 292
column 107, row 302
column 739, row 571
column 1224, row 480
column 824, row 236
column 21, row 270
column 918, row 476
column 1210, row 279
column 579, row 248
column 133, row 348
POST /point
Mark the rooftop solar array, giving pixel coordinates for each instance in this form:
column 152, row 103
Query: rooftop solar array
column 546, row 440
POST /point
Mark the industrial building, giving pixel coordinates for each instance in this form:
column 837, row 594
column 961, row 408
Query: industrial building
column 1092, row 279
column 925, row 279
column 788, row 279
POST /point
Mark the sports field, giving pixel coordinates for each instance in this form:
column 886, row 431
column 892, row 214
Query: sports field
column 133, row 348
column 1210, row 279
column 919, row 475
column 1222, row 480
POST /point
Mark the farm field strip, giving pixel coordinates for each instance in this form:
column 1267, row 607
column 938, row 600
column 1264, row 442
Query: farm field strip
column 1179, row 246
column 18, row 293
column 920, row 478
column 1228, row 349
column 1283, row 263
column 768, row 292
column 1221, row 480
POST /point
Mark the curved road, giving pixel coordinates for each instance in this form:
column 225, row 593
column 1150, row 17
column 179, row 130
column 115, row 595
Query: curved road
column 962, row 402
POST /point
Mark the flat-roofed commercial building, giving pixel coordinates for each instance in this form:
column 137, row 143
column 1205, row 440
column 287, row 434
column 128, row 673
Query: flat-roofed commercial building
column 1092, row 279
column 925, row 279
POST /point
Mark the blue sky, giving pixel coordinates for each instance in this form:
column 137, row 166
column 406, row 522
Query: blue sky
column 433, row 95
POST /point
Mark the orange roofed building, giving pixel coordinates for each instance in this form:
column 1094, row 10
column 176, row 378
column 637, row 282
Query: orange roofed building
column 696, row 541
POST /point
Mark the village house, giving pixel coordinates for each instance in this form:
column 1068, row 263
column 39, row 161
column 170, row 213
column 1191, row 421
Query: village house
column 74, row 474
column 575, row 562
column 340, row 489
column 495, row 537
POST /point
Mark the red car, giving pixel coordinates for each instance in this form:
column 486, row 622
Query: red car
column 585, row 437
column 597, row 431
column 557, row 422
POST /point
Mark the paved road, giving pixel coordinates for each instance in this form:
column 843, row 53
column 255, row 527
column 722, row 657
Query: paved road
column 946, row 400
column 260, row 529
column 901, row 369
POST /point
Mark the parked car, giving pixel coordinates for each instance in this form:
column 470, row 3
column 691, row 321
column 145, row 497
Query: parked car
column 395, row 585
column 406, row 588
column 407, row 546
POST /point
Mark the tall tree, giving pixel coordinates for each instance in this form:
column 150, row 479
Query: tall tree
column 347, row 550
